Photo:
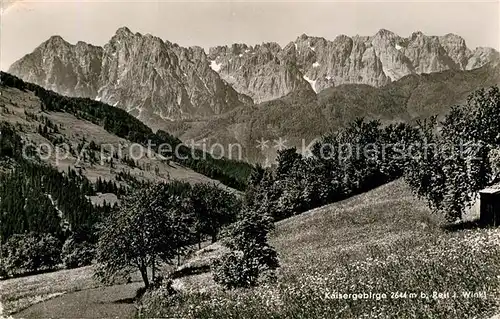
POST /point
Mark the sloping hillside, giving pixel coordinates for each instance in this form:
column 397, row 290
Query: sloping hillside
column 386, row 216
column 381, row 243
column 233, row 173
column 23, row 110
column 351, row 229
column 56, row 198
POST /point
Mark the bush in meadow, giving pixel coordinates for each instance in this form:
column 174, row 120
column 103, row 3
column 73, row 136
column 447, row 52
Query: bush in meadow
column 31, row 252
column 250, row 256
column 77, row 253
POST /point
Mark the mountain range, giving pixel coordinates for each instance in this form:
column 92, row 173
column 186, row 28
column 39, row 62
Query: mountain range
column 302, row 116
column 266, row 72
column 241, row 92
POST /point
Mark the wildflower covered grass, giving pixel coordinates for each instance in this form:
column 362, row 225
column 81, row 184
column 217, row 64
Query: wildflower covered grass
column 378, row 255
column 19, row 293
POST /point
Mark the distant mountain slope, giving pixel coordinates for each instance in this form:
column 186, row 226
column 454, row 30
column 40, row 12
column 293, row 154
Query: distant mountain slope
column 305, row 115
column 154, row 80
column 158, row 81
column 20, row 109
column 87, row 126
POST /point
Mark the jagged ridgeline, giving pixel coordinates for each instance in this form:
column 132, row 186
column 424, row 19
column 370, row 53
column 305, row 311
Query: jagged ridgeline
column 117, row 121
column 35, row 197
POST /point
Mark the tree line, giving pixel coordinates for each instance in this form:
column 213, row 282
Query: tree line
column 354, row 159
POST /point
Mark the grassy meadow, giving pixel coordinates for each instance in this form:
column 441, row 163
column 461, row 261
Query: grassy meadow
column 19, row 293
column 384, row 245
column 61, row 293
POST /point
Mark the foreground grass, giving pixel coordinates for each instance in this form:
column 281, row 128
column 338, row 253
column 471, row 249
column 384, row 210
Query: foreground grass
column 19, row 293
column 384, row 245
column 104, row 302
column 67, row 294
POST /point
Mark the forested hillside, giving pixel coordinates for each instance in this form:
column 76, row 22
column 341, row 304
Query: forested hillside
column 122, row 124
column 41, row 208
column 58, row 179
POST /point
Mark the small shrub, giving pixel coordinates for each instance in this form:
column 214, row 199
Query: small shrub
column 233, row 270
column 251, row 253
column 77, row 254
column 161, row 295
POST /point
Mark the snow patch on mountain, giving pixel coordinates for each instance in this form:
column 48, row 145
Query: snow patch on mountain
column 311, row 82
column 215, row 66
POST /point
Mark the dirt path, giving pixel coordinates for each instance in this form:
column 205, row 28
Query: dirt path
column 103, row 302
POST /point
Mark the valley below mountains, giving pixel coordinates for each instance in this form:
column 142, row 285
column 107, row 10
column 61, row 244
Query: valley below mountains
column 242, row 93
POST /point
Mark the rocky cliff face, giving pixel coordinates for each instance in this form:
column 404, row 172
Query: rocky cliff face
column 263, row 72
column 62, row 67
column 153, row 79
column 157, row 80
column 267, row 71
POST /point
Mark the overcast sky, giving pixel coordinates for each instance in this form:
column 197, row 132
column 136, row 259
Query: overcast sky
column 25, row 24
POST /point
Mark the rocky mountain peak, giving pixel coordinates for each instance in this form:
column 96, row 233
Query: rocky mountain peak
column 123, row 31
column 55, row 42
column 374, row 60
column 384, row 33
column 151, row 78
column 264, row 71
column 416, row 34
column 481, row 56
column 342, row 38
column 56, row 39
column 454, row 38
column 302, row 37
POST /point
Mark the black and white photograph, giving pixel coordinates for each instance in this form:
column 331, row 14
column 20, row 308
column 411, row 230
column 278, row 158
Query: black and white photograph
column 249, row 159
